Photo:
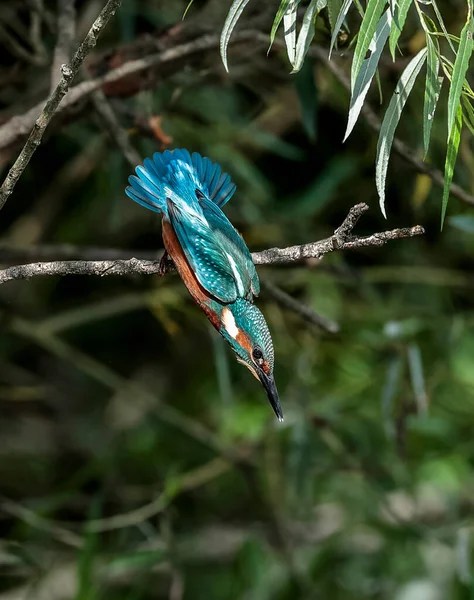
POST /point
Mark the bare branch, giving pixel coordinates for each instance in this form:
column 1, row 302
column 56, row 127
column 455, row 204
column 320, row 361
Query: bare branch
column 340, row 240
column 114, row 129
column 68, row 74
column 19, row 126
column 65, row 42
column 306, row 312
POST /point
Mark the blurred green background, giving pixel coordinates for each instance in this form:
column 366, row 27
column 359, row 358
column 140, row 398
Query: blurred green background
column 138, row 460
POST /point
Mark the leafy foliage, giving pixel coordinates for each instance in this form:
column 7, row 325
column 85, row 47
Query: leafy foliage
column 370, row 40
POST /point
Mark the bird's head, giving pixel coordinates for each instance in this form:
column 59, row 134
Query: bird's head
column 245, row 328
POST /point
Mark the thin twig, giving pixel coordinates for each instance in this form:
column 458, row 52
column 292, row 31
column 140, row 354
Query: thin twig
column 114, row 129
column 65, row 42
column 19, row 126
column 68, row 74
column 308, row 314
column 340, row 240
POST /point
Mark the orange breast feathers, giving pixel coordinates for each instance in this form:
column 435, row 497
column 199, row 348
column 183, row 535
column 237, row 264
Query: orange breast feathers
column 200, row 295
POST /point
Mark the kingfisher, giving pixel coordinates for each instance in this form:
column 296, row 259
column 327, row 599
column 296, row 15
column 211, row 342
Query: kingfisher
column 189, row 191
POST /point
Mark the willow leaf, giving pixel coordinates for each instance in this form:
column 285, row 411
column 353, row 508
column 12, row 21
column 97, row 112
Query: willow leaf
column 390, row 122
column 306, row 34
column 334, row 8
column 459, row 72
column 231, row 20
column 284, row 4
column 367, row 71
column 451, row 155
column 368, row 26
column 340, row 19
column 399, row 18
column 432, row 89
column 442, row 25
column 289, row 26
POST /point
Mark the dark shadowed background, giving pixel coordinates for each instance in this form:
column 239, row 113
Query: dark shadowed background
column 138, row 460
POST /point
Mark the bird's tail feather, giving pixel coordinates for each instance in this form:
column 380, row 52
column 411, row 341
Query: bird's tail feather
column 147, row 188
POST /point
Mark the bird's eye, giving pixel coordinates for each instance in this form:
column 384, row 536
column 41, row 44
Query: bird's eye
column 257, row 355
column 199, row 194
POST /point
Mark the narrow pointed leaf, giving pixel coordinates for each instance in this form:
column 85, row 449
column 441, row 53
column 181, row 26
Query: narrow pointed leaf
column 284, row 4
column 187, row 8
column 334, row 8
column 289, row 26
column 451, row 155
column 459, row 72
column 368, row 26
column 367, row 71
column 340, row 19
column 442, row 25
column 232, row 17
column 306, row 34
column 399, row 18
column 390, row 122
column 432, row 89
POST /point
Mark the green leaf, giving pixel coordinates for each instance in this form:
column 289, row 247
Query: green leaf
column 289, row 24
column 342, row 15
column 459, row 72
column 368, row 26
column 399, row 18
column 432, row 89
column 307, row 95
column 390, row 122
column 442, row 25
column 187, row 8
column 306, row 34
column 451, row 155
column 334, row 8
column 276, row 22
column 367, row 71
column 231, row 20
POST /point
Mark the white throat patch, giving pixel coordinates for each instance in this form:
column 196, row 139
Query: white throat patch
column 229, row 323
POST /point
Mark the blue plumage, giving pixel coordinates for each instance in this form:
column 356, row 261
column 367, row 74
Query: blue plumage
column 210, row 254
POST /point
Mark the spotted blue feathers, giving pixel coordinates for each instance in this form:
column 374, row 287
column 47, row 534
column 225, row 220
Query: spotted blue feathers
column 189, row 190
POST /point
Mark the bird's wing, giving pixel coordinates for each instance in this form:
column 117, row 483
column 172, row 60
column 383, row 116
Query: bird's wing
column 245, row 273
column 208, row 260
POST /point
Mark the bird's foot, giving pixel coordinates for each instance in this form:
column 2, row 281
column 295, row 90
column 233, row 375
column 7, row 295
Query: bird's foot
column 165, row 264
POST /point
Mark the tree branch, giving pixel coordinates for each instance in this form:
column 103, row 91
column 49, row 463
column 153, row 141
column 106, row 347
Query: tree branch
column 114, row 129
column 304, row 311
column 65, row 41
column 17, row 127
column 68, row 74
column 342, row 239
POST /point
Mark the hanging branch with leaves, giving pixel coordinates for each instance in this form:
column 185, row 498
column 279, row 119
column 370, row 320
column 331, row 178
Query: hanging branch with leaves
column 383, row 21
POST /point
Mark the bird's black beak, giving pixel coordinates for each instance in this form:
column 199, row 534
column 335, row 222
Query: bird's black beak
column 272, row 392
